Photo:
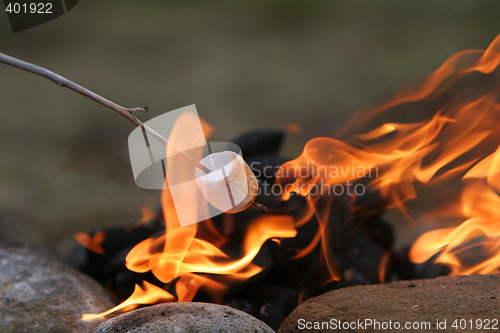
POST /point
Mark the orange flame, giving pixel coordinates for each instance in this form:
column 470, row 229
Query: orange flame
column 452, row 68
column 458, row 142
column 148, row 294
column 394, row 157
column 480, row 202
column 181, row 256
column 93, row 243
column 147, row 212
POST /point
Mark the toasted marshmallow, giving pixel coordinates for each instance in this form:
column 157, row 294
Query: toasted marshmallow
column 230, row 186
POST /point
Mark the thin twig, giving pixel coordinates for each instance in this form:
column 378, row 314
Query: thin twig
column 63, row 82
column 125, row 112
column 260, row 207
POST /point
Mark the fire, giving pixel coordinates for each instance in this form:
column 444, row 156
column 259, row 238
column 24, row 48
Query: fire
column 148, row 294
column 182, row 257
column 147, row 211
column 93, row 243
column 480, row 203
column 454, row 143
column 454, row 151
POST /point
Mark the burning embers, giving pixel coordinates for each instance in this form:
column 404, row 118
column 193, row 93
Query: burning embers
column 316, row 238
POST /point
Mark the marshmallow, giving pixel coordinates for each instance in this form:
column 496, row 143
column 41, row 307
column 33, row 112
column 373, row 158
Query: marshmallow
column 230, row 186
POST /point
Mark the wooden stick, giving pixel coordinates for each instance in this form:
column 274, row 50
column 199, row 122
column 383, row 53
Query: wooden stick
column 125, row 112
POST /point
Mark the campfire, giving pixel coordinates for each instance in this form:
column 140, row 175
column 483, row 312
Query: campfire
column 327, row 225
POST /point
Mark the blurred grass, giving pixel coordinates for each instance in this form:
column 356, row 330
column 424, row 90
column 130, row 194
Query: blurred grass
column 64, row 164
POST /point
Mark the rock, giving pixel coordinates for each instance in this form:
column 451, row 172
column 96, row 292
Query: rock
column 40, row 293
column 447, row 298
column 189, row 317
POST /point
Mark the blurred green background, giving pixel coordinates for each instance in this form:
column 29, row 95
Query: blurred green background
column 64, row 165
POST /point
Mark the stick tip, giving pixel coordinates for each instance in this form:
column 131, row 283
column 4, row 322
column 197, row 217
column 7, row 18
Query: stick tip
column 139, row 109
column 260, row 207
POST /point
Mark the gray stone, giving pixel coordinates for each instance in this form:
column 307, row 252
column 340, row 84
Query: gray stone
column 447, row 298
column 40, row 293
column 189, row 317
